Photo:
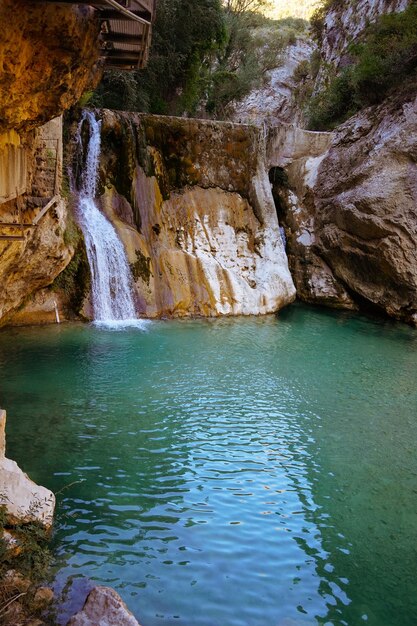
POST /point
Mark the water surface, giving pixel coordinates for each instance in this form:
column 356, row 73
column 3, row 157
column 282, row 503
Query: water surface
column 237, row 472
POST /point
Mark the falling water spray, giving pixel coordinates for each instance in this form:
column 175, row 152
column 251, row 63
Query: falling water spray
column 111, row 278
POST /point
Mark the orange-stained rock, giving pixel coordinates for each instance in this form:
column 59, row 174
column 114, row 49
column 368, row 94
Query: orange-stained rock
column 48, row 56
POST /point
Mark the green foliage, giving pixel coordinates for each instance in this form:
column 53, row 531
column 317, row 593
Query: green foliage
column 32, row 558
column 204, row 55
column 333, row 105
column 254, row 45
column 302, row 71
column 382, row 60
column 317, row 22
column 85, row 98
column 185, row 34
column 75, row 279
column 119, row 90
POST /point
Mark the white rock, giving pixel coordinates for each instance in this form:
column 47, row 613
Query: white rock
column 25, row 501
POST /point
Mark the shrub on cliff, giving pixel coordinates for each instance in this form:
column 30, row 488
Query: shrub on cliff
column 204, row 55
column 384, row 57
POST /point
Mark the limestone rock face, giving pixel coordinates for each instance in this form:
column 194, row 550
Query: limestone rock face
column 192, row 203
column 350, row 214
column 366, row 198
column 47, row 58
column 28, row 264
column 24, row 500
column 295, row 156
column 273, row 101
column 103, row 607
column 313, row 278
column 346, row 20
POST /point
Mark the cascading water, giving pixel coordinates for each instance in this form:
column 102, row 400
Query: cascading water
column 111, row 278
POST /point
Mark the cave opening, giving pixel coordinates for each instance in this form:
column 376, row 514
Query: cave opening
column 279, row 185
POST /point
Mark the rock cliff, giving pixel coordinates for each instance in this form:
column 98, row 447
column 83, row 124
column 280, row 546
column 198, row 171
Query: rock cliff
column 274, row 100
column 30, row 258
column 366, row 198
column 192, row 203
column 346, row 20
column 349, row 212
column 23, row 500
column 48, row 56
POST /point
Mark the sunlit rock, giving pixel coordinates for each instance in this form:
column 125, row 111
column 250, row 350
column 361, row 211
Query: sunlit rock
column 25, row 501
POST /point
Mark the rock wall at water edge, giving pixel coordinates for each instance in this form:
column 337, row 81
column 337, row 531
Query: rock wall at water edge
column 192, row 202
column 350, row 213
column 31, row 257
column 48, row 58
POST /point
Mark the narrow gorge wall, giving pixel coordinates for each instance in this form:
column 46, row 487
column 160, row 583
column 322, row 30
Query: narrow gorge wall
column 349, row 212
column 192, row 202
column 346, row 20
column 48, row 58
column 31, row 257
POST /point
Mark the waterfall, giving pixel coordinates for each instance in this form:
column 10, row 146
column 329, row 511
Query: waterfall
column 111, row 278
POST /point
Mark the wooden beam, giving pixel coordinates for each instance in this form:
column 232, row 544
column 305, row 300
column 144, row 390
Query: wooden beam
column 122, row 54
column 122, row 38
column 131, row 64
column 113, row 14
column 46, row 208
column 16, row 225
column 13, row 237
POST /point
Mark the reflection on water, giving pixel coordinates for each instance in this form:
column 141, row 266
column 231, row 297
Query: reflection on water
column 226, row 472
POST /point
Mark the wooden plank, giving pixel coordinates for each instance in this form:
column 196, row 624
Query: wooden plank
column 16, row 225
column 122, row 54
column 100, row 2
column 116, row 14
column 122, row 38
column 46, row 208
column 113, row 14
column 121, row 65
column 132, row 63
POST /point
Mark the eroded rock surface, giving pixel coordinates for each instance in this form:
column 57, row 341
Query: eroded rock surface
column 366, row 199
column 273, row 101
column 350, row 214
column 103, row 607
column 48, row 56
column 346, row 20
column 192, row 203
column 31, row 263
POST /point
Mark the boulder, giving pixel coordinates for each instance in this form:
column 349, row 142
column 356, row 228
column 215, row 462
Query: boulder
column 103, row 607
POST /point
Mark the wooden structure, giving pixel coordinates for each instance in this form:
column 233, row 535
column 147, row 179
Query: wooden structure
column 125, row 30
column 21, row 226
column 17, row 220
